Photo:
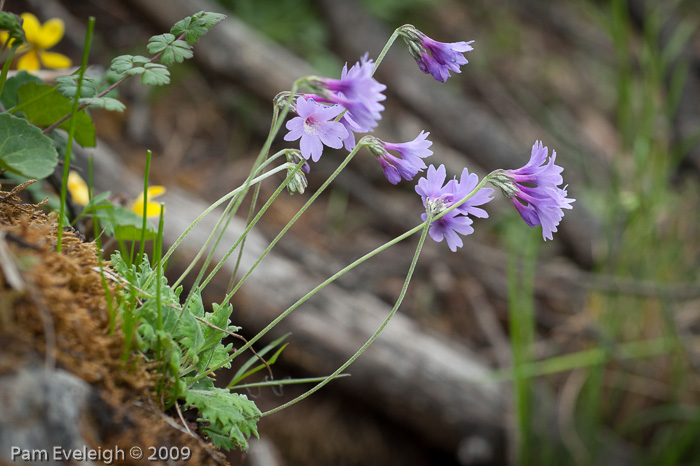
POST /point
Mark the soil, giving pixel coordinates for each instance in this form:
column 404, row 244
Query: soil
column 55, row 317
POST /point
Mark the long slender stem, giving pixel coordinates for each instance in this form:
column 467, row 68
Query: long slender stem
column 71, row 133
column 374, row 336
column 334, row 277
column 386, row 48
column 211, row 208
column 144, row 223
column 249, row 226
column 6, row 67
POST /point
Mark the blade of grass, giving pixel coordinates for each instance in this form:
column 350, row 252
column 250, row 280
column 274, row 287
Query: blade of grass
column 71, row 133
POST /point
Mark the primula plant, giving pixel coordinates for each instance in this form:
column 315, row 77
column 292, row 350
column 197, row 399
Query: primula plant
column 174, row 330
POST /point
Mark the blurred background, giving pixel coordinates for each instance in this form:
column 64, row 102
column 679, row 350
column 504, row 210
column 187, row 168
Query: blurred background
column 592, row 338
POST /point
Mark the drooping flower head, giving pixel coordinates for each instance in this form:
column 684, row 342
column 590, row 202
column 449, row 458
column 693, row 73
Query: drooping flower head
column 316, row 128
column 358, row 92
column 410, row 159
column 439, row 196
column 39, row 38
column 433, row 57
column 534, row 190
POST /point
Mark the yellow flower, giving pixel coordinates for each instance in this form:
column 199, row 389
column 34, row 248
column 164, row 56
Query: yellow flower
column 152, row 208
column 40, row 37
column 78, row 189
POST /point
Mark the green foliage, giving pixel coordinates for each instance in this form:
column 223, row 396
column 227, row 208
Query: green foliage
column 24, row 150
column 123, row 64
column 9, row 92
column 187, row 341
column 196, row 26
column 171, row 49
column 231, row 417
column 43, row 105
column 68, row 86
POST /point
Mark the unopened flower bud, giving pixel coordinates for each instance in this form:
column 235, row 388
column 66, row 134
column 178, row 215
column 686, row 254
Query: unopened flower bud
column 298, row 182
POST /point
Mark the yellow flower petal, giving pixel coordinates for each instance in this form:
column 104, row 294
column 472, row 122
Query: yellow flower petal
column 3, row 37
column 155, row 191
column 78, row 189
column 152, row 208
column 32, row 28
column 54, row 60
column 50, row 33
column 29, row 62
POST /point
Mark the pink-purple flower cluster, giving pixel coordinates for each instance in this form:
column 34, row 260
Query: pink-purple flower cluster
column 433, row 57
column 534, row 190
column 439, row 196
column 354, row 98
column 338, row 108
column 409, row 160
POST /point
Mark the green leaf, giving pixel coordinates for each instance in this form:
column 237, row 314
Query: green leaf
column 9, row 92
column 68, row 86
column 232, row 417
column 124, row 63
column 108, row 103
column 210, row 18
column 192, row 28
column 43, row 105
column 155, row 74
column 24, row 150
column 172, row 50
column 159, row 43
column 196, row 26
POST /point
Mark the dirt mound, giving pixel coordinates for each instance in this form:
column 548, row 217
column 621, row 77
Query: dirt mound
column 62, row 358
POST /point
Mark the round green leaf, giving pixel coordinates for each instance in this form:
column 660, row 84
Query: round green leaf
column 24, row 150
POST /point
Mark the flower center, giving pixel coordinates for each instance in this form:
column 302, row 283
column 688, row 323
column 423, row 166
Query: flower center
column 311, row 125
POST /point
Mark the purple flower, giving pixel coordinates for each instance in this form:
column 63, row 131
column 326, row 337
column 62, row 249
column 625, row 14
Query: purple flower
column 358, row 92
column 534, row 190
column 315, row 129
column 438, row 196
column 410, row 160
column 433, row 57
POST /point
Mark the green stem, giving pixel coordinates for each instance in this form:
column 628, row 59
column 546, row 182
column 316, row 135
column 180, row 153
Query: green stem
column 71, row 133
column 144, row 223
column 6, row 67
column 374, row 336
column 334, row 277
column 206, row 212
column 386, row 48
column 244, row 234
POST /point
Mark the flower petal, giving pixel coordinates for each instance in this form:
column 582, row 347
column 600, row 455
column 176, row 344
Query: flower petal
column 50, row 33
column 32, row 27
column 78, row 188
column 29, row 61
column 55, row 60
column 154, row 191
